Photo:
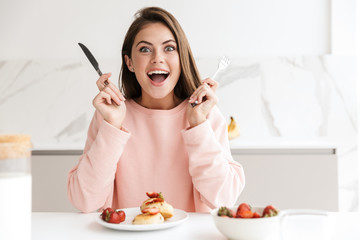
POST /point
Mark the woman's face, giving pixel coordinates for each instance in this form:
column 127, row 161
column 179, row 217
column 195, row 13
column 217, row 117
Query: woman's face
column 155, row 61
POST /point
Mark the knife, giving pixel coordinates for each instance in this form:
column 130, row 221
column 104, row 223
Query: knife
column 92, row 60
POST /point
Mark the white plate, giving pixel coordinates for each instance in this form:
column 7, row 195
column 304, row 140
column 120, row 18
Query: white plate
column 179, row 217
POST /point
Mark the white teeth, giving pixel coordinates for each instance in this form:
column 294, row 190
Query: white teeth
column 157, row 72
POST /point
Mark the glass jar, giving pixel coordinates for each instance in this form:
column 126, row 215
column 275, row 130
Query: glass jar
column 15, row 187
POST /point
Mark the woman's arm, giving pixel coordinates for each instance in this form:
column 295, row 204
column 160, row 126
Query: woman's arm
column 216, row 176
column 91, row 181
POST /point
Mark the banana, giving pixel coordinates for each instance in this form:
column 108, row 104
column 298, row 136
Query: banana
column 233, row 129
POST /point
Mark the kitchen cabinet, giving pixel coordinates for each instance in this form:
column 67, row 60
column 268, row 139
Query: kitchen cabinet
column 286, row 176
column 289, row 176
column 49, row 180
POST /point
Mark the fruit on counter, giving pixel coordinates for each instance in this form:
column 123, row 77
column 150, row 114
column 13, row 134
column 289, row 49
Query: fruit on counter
column 233, row 129
column 226, row 212
column 113, row 216
column 270, row 211
column 244, row 210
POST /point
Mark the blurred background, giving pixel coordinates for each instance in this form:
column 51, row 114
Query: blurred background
column 291, row 85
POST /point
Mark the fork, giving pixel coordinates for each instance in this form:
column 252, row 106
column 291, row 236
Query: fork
column 224, row 63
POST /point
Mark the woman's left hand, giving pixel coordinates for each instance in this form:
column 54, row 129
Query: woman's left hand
column 206, row 98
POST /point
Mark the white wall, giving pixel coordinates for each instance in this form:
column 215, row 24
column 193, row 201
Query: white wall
column 343, row 27
column 51, row 29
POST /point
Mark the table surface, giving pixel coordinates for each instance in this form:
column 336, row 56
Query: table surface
column 62, row 225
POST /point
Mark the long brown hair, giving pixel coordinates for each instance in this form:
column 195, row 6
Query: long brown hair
column 189, row 78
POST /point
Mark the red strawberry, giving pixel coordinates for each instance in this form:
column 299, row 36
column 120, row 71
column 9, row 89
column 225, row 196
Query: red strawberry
column 245, row 214
column 154, row 200
column 155, row 195
column 106, row 212
column 224, row 211
column 117, row 216
column 111, row 216
column 244, row 211
column 256, row 215
column 151, row 210
column 244, row 206
column 152, row 194
column 122, row 215
column 270, row 211
column 114, row 218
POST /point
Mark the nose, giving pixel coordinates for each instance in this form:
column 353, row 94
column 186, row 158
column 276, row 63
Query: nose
column 158, row 57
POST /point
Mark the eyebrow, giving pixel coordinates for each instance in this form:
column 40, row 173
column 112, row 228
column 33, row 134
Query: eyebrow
column 149, row 43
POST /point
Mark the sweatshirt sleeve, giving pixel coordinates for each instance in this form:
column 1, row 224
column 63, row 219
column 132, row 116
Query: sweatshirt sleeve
column 216, row 176
column 91, row 181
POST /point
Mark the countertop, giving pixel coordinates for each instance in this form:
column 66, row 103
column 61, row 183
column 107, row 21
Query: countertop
column 62, row 225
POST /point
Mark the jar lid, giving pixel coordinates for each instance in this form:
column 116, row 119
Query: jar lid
column 15, row 146
column 15, row 138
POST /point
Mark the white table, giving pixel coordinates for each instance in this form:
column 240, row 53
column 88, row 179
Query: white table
column 51, row 225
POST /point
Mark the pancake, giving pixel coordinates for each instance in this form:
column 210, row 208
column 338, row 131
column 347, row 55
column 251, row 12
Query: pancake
column 166, row 210
column 147, row 218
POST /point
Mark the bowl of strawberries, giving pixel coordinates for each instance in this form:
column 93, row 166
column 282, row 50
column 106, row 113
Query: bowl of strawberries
column 247, row 222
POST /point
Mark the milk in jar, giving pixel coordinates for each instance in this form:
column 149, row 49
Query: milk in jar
column 15, row 187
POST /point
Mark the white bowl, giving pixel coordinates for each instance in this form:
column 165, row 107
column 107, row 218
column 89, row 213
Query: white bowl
column 247, row 228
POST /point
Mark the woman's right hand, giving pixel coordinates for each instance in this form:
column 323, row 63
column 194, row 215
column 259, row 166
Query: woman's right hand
column 110, row 102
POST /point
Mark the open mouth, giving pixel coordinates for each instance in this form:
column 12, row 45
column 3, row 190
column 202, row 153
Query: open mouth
column 158, row 76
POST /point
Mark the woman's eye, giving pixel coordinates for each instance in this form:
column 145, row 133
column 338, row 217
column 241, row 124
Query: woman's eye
column 169, row 48
column 144, row 49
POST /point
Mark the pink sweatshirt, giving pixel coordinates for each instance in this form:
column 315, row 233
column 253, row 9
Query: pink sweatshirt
column 193, row 168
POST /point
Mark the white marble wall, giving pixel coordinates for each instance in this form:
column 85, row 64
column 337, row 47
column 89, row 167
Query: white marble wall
column 308, row 98
column 303, row 97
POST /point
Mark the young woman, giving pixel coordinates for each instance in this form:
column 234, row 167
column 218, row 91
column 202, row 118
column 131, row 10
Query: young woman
column 156, row 141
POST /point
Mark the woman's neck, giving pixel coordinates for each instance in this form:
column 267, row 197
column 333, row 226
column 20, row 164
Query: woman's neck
column 166, row 103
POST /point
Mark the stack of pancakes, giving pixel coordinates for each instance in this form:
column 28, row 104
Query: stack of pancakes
column 150, row 214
